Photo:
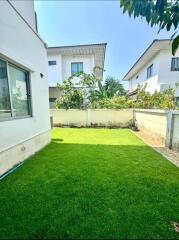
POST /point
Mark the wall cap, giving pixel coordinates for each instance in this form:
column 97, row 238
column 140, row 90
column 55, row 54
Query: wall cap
column 152, row 110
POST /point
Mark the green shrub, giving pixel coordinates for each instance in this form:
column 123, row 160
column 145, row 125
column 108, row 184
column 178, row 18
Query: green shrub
column 145, row 100
column 70, row 100
column 157, row 100
column 112, row 103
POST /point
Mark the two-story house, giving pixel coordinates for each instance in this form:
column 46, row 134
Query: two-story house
column 157, row 68
column 24, row 113
column 66, row 61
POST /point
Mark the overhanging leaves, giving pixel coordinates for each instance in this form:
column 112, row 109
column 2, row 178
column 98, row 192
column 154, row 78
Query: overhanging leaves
column 175, row 45
column 163, row 13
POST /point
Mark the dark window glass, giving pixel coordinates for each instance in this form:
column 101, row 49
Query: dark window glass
column 175, row 64
column 150, row 71
column 177, row 99
column 76, row 67
column 51, row 63
column 20, row 93
column 5, row 107
column 52, row 99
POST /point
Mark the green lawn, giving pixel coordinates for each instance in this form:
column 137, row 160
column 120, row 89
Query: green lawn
column 91, row 183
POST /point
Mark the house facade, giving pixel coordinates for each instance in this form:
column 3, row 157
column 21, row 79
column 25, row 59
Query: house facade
column 24, row 114
column 157, row 68
column 66, row 61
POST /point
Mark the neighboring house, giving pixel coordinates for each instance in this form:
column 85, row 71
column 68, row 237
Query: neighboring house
column 157, row 67
column 69, row 60
column 24, row 114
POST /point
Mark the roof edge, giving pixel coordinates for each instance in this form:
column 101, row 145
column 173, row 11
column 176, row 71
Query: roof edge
column 36, row 33
column 80, row 45
column 154, row 41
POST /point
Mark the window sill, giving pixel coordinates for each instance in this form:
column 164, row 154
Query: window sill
column 14, row 118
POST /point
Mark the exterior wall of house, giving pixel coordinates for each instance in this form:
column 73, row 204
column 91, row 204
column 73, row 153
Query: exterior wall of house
column 62, row 70
column 18, row 153
column 152, row 82
column 88, row 64
column 26, row 9
column 166, row 76
column 54, row 93
column 21, row 46
column 162, row 77
column 55, row 72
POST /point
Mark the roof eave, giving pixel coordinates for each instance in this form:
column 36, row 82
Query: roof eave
column 82, row 45
column 127, row 77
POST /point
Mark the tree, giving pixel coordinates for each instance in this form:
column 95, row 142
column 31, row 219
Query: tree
column 78, row 94
column 113, row 87
column 164, row 13
column 71, row 97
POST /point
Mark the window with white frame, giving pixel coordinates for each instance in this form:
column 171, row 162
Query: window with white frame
column 150, row 71
column 175, row 64
column 15, row 96
column 76, row 67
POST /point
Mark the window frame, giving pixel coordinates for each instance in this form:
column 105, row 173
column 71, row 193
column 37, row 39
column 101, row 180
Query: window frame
column 52, row 63
column 151, row 71
column 28, row 92
column 172, row 66
column 77, row 67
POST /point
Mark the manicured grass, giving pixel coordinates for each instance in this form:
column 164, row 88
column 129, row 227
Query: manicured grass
column 91, row 183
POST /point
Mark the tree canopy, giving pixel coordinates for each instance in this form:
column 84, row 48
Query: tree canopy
column 87, row 90
column 164, row 13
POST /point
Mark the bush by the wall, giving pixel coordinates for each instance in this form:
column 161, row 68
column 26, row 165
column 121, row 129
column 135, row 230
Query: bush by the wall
column 112, row 103
column 145, row 100
column 157, row 100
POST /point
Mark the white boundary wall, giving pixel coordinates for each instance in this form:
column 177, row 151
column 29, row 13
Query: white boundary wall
column 152, row 123
column 175, row 131
column 161, row 125
column 92, row 117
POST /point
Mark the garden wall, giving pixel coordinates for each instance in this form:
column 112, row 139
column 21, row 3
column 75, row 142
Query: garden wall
column 92, row 117
column 175, row 135
column 159, row 125
column 152, row 123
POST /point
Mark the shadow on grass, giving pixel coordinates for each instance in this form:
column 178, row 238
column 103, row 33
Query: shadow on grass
column 57, row 140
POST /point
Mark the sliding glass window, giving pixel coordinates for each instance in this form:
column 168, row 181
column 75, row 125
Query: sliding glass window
column 5, row 106
column 15, row 97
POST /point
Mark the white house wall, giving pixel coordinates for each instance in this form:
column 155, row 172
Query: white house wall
column 55, row 71
column 26, row 9
column 20, row 45
column 152, row 82
column 166, row 76
column 62, row 70
column 88, row 64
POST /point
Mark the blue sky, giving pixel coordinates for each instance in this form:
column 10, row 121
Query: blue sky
column 86, row 22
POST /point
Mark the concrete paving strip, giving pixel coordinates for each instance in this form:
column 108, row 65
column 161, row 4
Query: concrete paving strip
column 171, row 155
